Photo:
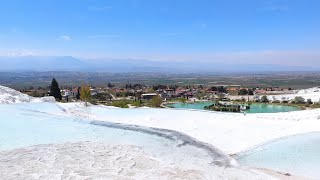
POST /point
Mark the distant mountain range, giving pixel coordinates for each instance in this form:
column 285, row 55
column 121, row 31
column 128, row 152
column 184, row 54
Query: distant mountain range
column 69, row 63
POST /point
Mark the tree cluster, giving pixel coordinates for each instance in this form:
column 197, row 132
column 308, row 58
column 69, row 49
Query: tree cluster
column 220, row 89
column 156, row 101
column 85, row 94
column 55, row 90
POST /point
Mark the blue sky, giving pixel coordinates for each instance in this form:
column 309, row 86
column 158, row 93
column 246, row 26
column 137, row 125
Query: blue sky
column 229, row 31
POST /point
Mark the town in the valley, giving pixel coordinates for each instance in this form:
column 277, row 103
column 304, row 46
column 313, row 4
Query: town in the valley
column 139, row 95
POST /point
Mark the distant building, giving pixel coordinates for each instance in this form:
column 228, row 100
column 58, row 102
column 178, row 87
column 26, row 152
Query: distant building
column 233, row 89
column 93, row 92
column 260, row 91
column 66, row 92
column 148, row 96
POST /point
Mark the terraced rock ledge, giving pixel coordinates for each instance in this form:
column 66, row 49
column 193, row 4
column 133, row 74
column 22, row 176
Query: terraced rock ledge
column 94, row 160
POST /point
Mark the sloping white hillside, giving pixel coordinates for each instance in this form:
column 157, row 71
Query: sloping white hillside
column 8, row 96
column 312, row 93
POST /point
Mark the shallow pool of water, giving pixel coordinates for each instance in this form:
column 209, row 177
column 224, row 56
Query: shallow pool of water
column 31, row 124
column 255, row 108
column 298, row 155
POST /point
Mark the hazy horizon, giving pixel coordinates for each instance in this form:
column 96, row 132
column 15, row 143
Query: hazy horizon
column 69, row 63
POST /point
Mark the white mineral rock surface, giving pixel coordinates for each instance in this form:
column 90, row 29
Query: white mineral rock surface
column 231, row 133
column 88, row 160
column 312, row 93
column 8, row 96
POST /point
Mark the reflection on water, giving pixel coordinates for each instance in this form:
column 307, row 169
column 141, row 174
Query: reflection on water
column 298, row 154
column 255, row 108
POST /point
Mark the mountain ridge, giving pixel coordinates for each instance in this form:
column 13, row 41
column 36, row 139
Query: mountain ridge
column 69, row 63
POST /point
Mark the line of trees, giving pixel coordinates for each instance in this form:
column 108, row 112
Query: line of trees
column 220, row 89
column 83, row 94
column 245, row 92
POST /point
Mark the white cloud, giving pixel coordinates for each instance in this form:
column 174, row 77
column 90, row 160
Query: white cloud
column 8, row 33
column 17, row 52
column 65, row 37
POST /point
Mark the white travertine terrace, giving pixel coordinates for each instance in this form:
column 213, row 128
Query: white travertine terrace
column 311, row 93
column 8, row 96
column 231, row 133
column 93, row 160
